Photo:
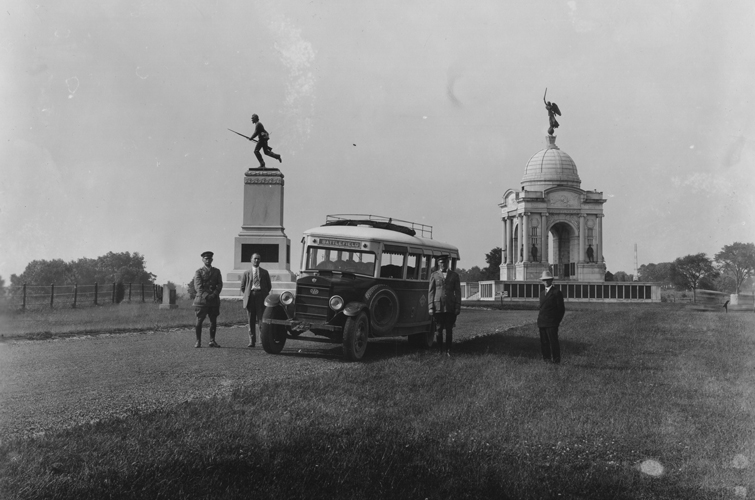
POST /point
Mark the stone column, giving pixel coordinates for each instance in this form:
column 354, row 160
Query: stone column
column 526, row 240
column 505, row 247
column 520, row 238
column 599, row 240
column 582, row 239
column 544, row 238
column 509, row 239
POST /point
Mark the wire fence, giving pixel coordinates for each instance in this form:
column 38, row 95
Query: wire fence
column 60, row 296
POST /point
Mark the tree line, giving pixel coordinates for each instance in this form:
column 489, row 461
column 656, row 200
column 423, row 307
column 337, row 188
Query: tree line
column 728, row 271
column 113, row 267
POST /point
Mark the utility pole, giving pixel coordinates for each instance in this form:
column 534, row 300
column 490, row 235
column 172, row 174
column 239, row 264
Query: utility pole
column 635, row 263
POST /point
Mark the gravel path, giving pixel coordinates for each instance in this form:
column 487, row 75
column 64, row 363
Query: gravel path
column 58, row 383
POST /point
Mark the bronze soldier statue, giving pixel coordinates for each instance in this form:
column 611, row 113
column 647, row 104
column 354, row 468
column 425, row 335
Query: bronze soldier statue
column 553, row 110
column 259, row 131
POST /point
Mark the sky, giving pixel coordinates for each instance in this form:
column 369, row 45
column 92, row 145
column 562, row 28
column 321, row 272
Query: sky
column 115, row 118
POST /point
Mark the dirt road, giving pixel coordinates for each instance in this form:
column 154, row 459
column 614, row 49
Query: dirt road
column 58, row 383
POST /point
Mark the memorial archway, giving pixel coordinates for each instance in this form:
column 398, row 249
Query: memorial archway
column 562, row 238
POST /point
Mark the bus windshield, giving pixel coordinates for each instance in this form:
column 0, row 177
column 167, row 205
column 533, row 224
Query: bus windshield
column 346, row 261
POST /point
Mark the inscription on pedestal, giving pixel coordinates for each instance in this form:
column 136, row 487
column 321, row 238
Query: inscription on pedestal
column 263, row 180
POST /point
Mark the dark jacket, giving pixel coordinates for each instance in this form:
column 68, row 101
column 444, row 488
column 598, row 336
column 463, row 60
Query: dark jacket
column 552, row 308
column 246, row 284
column 444, row 294
column 208, row 283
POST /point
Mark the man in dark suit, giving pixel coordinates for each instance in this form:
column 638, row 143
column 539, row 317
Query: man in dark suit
column 551, row 313
column 444, row 301
column 255, row 285
column 208, row 283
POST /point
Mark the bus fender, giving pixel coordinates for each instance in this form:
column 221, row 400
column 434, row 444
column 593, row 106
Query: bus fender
column 353, row 308
column 273, row 300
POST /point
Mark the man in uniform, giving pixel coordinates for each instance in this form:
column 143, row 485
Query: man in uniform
column 444, row 300
column 255, row 285
column 259, row 131
column 551, row 313
column 208, row 284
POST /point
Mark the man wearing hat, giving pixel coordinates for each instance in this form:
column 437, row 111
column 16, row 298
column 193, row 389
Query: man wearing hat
column 208, row 284
column 551, row 313
column 444, row 301
column 255, row 285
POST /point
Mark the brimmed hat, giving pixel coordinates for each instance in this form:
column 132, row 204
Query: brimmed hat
column 442, row 257
column 546, row 276
column 207, row 254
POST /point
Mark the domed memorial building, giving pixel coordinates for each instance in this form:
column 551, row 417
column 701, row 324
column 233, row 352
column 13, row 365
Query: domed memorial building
column 550, row 223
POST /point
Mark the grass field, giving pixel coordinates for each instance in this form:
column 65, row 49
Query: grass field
column 45, row 323
column 649, row 402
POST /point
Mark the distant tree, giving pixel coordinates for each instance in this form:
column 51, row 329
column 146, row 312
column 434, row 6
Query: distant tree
column 2, row 287
column 470, row 276
column 691, row 271
column 493, row 271
column 609, row 276
column 122, row 267
column 655, row 273
column 43, row 272
column 621, row 276
column 112, row 267
column 737, row 261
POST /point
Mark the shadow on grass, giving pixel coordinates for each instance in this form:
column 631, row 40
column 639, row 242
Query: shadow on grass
column 500, row 344
column 515, row 346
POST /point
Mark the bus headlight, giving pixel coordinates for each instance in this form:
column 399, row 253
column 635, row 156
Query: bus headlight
column 336, row 303
column 287, row 298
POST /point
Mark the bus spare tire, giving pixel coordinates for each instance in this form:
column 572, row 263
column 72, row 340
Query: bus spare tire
column 382, row 303
column 273, row 337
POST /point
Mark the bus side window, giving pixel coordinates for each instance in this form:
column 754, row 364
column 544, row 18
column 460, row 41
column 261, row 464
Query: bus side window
column 425, row 275
column 392, row 265
column 413, row 266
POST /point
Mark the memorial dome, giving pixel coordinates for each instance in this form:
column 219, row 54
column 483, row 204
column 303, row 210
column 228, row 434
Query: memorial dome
column 550, row 167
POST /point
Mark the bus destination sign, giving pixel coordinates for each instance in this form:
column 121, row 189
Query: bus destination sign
column 339, row 243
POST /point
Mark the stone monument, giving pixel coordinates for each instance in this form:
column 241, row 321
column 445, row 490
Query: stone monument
column 551, row 213
column 262, row 232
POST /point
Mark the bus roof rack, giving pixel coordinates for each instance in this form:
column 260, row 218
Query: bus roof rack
column 380, row 222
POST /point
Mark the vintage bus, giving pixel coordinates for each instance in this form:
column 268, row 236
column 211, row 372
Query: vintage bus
column 362, row 276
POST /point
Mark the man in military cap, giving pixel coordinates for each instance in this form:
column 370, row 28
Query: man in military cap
column 444, row 301
column 261, row 133
column 208, row 284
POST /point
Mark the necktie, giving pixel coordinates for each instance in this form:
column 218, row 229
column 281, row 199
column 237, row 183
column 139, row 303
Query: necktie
column 256, row 282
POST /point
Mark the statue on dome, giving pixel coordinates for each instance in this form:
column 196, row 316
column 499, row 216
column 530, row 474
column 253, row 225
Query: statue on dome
column 553, row 110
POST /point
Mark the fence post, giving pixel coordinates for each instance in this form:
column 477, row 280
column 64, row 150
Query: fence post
column 96, row 289
column 23, row 305
column 129, row 292
column 52, row 294
column 75, row 294
column 142, row 292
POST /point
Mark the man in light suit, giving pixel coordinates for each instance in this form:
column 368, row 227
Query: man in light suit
column 551, row 313
column 444, row 301
column 255, row 285
column 208, row 283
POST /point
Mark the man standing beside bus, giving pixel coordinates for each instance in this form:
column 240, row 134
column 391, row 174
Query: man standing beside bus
column 255, row 285
column 444, row 300
column 551, row 313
